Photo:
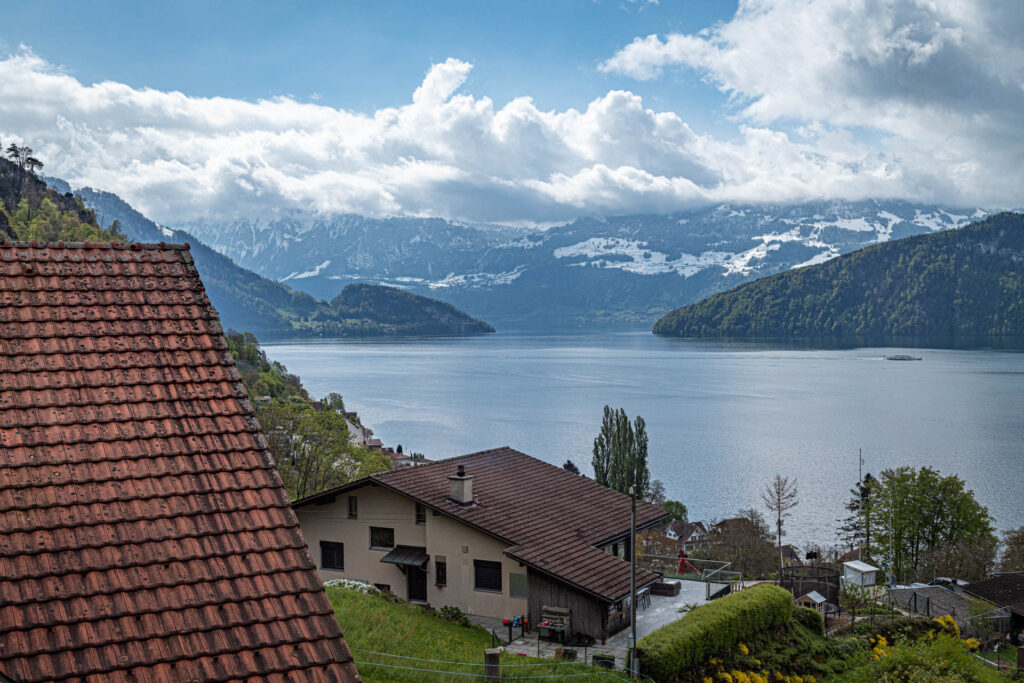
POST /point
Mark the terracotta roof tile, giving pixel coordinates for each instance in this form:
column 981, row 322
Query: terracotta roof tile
column 144, row 532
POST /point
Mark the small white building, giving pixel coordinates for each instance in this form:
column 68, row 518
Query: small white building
column 857, row 573
column 814, row 600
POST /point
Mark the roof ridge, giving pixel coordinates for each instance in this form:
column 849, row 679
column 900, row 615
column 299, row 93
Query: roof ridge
column 34, row 244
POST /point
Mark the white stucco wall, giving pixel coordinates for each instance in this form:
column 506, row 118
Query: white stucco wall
column 441, row 536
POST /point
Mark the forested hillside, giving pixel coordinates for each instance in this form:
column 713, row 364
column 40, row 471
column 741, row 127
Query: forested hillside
column 961, row 283
column 29, row 210
column 379, row 310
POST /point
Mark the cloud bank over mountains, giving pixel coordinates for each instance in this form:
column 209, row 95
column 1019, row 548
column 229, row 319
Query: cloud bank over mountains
column 832, row 99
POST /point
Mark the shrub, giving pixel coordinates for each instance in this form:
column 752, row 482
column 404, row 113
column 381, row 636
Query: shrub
column 810, row 619
column 713, row 629
column 453, row 613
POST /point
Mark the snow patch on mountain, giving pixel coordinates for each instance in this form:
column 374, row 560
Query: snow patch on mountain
column 641, row 259
column 308, row 273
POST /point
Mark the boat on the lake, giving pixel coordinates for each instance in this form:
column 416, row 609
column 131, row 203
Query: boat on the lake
column 902, row 356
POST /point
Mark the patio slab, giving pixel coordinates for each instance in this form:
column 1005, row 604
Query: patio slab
column 663, row 610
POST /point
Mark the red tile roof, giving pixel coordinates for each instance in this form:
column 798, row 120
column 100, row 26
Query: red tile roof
column 552, row 519
column 144, row 532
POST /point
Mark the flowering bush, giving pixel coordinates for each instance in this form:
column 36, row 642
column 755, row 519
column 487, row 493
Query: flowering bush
column 349, row 584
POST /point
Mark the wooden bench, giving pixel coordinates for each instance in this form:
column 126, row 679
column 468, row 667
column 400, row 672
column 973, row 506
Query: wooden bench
column 555, row 623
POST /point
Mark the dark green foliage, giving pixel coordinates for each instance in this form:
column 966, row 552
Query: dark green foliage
column 620, row 454
column 675, row 509
column 261, row 376
column 937, row 527
column 965, row 283
column 713, row 629
column 376, row 310
column 454, row 614
column 900, row 629
column 809, row 619
column 938, row 659
column 310, row 447
column 29, row 210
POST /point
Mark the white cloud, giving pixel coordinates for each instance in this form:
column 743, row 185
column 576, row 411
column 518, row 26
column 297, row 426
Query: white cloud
column 445, row 153
column 942, row 81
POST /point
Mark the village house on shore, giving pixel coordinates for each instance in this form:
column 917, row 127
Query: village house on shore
column 496, row 533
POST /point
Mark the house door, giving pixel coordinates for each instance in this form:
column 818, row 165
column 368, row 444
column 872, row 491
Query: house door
column 417, row 580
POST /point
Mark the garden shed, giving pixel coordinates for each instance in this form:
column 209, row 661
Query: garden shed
column 857, row 573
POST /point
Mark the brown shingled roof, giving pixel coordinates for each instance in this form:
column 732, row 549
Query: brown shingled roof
column 553, row 519
column 1005, row 590
column 144, row 532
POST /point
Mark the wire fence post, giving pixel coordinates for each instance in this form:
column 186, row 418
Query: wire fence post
column 492, row 664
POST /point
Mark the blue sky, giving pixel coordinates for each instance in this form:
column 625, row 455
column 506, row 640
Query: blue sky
column 367, row 55
column 518, row 113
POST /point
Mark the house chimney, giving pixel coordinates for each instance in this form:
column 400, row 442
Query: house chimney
column 461, row 487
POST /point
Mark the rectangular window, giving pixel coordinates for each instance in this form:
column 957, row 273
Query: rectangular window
column 487, row 576
column 382, row 537
column 332, row 555
column 421, row 513
column 353, row 507
column 383, row 587
column 440, row 570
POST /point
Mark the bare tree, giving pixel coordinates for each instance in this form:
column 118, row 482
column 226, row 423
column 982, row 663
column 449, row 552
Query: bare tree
column 780, row 496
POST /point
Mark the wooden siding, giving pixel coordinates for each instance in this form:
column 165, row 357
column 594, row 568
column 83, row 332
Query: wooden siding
column 589, row 615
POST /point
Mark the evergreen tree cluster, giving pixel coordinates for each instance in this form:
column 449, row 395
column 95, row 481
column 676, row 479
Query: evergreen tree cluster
column 620, row 454
column 956, row 284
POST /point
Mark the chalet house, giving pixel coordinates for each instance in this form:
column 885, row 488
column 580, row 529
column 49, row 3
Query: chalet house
column 496, row 533
column 790, row 557
column 1006, row 593
column 144, row 531
column 689, row 535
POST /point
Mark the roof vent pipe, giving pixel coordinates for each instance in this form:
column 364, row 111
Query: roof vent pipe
column 461, row 487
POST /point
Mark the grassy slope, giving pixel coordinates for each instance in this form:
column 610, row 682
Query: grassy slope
column 375, row 623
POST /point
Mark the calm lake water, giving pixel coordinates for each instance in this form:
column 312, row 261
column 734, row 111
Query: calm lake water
column 722, row 418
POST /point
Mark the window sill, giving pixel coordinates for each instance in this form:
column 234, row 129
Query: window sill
column 488, row 590
column 385, row 549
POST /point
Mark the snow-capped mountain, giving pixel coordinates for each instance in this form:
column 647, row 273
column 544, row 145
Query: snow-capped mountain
column 631, row 267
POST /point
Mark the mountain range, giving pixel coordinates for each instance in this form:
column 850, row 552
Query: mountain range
column 253, row 303
column 957, row 284
column 596, row 269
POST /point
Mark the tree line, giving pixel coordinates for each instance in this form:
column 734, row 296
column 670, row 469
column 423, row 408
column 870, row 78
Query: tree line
column 309, row 440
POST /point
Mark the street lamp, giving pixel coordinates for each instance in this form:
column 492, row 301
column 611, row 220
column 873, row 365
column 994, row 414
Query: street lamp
column 632, row 584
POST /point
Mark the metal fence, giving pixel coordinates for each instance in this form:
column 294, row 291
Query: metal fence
column 718, row 576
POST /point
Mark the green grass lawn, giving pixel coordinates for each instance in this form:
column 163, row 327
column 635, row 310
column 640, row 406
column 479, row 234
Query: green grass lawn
column 373, row 623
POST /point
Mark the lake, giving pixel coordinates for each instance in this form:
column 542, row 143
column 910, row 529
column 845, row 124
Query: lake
column 722, row 417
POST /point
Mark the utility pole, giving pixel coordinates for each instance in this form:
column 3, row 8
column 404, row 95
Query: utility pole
column 860, row 492
column 632, row 584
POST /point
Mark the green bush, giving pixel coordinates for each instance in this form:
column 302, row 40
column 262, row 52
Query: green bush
column 453, row 613
column 712, row 629
column 809, row 618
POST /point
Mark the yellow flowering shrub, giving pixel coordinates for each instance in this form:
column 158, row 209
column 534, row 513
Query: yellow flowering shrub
column 743, row 648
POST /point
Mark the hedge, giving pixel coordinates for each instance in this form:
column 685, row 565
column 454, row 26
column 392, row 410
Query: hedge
column 810, row 618
column 712, row 629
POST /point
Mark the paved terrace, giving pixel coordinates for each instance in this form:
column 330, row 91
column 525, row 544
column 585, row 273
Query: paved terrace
column 663, row 610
